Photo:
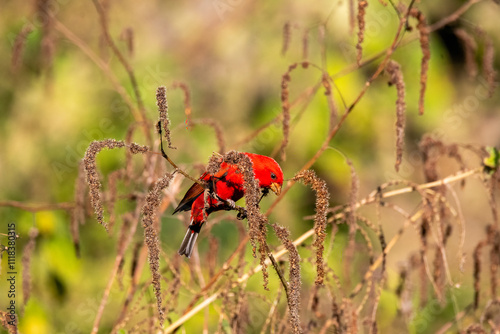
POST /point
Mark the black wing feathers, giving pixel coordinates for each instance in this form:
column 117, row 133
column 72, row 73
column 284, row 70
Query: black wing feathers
column 191, row 195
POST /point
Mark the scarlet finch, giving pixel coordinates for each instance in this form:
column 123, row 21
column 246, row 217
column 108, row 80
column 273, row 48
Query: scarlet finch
column 227, row 184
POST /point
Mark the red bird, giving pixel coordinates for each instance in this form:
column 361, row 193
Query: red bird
column 227, row 185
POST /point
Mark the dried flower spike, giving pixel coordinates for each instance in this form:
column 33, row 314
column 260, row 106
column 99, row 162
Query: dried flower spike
column 161, row 102
column 309, row 177
column 362, row 4
column 89, row 163
column 396, row 78
column 426, row 51
column 293, row 295
column 151, row 238
column 285, row 106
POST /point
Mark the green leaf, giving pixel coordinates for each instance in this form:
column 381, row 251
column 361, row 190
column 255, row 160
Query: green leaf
column 492, row 161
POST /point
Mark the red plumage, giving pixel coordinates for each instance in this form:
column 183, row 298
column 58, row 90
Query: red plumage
column 227, row 185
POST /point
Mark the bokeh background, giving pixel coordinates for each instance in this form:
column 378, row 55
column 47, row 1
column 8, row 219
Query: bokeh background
column 55, row 98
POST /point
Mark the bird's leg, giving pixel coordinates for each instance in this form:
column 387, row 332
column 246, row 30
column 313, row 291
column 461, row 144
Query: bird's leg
column 229, row 205
column 242, row 212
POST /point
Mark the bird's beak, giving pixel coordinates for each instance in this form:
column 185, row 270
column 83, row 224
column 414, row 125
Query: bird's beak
column 276, row 188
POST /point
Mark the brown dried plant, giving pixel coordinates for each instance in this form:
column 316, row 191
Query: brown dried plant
column 396, row 78
column 319, row 186
column 351, row 15
column 161, row 102
column 26, row 261
column 470, row 49
column 6, row 322
column 287, row 34
column 151, row 237
column 331, row 103
column 285, row 105
column 127, row 35
column 423, row 30
column 257, row 222
column 489, row 71
column 187, row 100
column 92, row 176
column 305, row 46
column 44, row 10
column 293, row 291
column 362, row 4
column 18, row 48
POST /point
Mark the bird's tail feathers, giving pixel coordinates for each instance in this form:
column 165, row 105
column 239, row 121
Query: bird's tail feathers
column 187, row 245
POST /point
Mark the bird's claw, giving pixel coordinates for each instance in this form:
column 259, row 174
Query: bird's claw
column 242, row 213
column 231, row 203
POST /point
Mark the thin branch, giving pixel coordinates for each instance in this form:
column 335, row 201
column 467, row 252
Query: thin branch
column 387, row 249
column 280, row 274
column 171, row 162
column 38, row 207
column 453, row 16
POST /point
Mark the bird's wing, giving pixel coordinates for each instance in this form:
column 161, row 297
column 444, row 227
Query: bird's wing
column 196, row 189
column 190, row 196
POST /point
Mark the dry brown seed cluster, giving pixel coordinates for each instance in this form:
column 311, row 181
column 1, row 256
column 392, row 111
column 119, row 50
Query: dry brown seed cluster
column 257, row 222
column 136, row 148
column 426, row 51
column 89, row 162
column 161, row 102
column 362, row 4
column 309, row 177
column 396, row 78
column 214, row 163
column 470, row 49
column 488, row 64
column 151, row 238
column 92, row 177
column 26, row 261
column 331, row 103
column 6, row 322
column 353, row 195
column 294, row 277
column 285, row 106
column 286, row 37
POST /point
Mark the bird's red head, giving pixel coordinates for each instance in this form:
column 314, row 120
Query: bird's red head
column 267, row 171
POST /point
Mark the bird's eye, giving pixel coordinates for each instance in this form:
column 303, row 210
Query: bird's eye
column 273, row 176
